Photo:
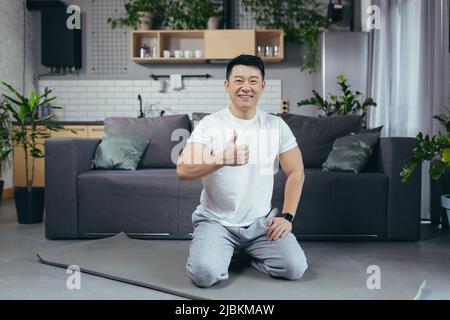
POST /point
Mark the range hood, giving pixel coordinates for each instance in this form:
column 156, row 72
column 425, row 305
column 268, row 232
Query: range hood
column 43, row 4
column 60, row 46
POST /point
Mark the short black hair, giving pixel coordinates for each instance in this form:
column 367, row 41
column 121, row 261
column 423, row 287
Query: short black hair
column 246, row 60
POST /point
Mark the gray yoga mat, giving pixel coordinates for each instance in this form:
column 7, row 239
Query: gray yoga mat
column 160, row 265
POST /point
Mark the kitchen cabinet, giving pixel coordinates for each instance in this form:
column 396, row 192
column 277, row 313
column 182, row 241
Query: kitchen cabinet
column 222, row 44
column 71, row 131
column 210, row 45
column 81, row 131
column 95, row 131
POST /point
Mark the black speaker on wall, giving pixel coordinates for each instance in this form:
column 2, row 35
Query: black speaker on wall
column 60, row 46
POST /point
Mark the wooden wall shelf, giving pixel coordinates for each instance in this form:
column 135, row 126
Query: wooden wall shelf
column 212, row 44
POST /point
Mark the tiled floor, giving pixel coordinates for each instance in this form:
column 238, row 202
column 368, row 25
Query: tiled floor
column 23, row 277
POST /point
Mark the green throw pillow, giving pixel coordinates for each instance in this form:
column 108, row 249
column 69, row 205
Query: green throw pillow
column 119, row 152
column 351, row 153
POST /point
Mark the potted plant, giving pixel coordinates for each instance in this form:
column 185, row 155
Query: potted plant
column 5, row 143
column 140, row 14
column 193, row 14
column 301, row 20
column 214, row 11
column 26, row 133
column 347, row 103
column 436, row 150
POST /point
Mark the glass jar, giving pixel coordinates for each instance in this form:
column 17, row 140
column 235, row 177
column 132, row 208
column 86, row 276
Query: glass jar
column 154, row 52
column 276, row 51
column 260, row 51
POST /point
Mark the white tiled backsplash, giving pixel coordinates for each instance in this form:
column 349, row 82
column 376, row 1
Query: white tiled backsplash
column 91, row 100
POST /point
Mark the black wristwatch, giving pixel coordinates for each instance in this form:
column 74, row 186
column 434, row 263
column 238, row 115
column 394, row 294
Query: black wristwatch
column 289, row 217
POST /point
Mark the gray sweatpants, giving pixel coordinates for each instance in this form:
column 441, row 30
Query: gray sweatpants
column 213, row 246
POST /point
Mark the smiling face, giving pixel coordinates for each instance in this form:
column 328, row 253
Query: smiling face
column 245, row 86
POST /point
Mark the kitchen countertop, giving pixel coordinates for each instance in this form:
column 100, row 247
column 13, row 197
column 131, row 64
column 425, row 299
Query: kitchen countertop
column 74, row 123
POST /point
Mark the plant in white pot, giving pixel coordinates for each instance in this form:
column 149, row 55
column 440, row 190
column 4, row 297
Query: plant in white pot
column 194, row 14
column 436, row 150
column 26, row 133
column 140, row 14
column 214, row 11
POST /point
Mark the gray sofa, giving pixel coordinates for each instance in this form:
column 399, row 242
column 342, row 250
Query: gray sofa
column 152, row 202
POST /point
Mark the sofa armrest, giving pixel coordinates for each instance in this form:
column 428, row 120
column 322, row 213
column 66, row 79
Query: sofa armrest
column 403, row 208
column 65, row 159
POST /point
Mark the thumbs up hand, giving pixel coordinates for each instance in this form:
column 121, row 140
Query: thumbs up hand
column 234, row 155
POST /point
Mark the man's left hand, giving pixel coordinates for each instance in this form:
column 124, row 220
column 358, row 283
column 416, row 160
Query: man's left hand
column 278, row 228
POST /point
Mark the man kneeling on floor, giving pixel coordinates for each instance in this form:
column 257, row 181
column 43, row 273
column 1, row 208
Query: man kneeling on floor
column 236, row 151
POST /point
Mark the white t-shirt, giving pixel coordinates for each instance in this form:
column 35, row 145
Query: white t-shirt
column 238, row 195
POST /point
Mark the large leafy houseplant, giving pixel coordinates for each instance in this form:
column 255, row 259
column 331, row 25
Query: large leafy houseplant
column 5, row 143
column 27, row 132
column 347, row 103
column 435, row 149
column 29, row 128
column 301, row 20
column 191, row 14
column 134, row 13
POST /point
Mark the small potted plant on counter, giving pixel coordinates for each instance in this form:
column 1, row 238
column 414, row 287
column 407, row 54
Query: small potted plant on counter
column 26, row 133
column 436, row 150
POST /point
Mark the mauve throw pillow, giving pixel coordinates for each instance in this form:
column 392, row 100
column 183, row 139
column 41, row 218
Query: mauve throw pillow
column 315, row 136
column 157, row 129
column 351, row 153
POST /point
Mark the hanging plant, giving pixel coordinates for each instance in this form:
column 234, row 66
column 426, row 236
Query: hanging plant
column 301, row 21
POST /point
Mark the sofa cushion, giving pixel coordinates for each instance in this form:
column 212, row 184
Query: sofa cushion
column 351, row 153
column 188, row 200
column 159, row 130
column 121, row 152
column 377, row 129
column 196, row 117
column 338, row 204
column 315, row 136
column 141, row 201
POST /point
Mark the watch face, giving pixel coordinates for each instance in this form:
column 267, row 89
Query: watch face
column 289, row 217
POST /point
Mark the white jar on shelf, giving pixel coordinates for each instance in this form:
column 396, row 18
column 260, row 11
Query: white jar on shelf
column 198, row 53
column 276, row 51
column 143, row 51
